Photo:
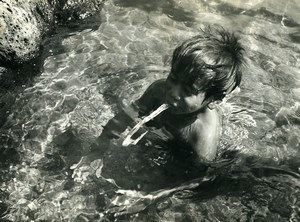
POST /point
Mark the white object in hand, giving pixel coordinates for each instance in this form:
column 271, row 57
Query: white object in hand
column 128, row 140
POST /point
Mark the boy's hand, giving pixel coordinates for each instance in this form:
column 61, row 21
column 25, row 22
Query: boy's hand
column 118, row 124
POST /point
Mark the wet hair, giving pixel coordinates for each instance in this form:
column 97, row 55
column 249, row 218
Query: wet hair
column 210, row 62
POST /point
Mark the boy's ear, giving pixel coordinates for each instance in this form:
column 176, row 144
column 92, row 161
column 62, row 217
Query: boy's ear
column 213, row 104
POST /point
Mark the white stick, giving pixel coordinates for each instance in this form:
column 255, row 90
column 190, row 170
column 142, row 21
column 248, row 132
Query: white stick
column 146, row 119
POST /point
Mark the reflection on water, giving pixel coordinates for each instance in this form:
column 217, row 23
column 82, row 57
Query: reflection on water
column 89, row 73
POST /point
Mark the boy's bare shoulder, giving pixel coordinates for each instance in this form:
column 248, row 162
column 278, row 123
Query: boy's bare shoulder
column 158, row 86
column 152, row 97
column 156, row 90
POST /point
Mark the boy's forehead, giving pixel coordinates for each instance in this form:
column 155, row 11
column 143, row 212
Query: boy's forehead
column 185, row 77
column 187, row 80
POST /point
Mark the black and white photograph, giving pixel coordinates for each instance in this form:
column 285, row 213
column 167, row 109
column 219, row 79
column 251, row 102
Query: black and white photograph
column 149, row 110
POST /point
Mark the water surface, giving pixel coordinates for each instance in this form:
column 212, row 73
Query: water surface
column 88, row 73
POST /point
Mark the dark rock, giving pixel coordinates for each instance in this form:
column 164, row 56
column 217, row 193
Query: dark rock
column 23, row 26
column 20, row 32
column 24, row 23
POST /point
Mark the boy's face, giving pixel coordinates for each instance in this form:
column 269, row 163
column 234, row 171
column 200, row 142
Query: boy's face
column 182, row 97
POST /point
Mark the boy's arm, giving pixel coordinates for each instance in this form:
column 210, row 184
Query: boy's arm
column 128, row 115
column 204, row 142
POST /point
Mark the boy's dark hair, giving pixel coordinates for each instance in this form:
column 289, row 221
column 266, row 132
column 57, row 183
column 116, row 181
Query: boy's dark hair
column 210, row 62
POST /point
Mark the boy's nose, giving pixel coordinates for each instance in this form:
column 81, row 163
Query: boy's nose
column 175, row 96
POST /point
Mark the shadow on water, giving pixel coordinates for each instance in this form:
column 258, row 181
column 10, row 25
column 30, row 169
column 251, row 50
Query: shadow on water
column 253, row 182
column 52, row 44
column 13, row 81
column 169, row 7
column 260, row 188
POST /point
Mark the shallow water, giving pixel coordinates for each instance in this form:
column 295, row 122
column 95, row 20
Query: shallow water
column 89, row 73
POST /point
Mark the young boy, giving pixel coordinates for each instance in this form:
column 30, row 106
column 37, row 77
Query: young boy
column 204, row 70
